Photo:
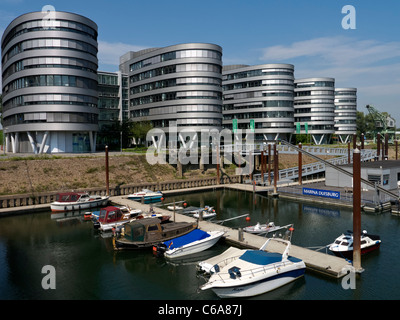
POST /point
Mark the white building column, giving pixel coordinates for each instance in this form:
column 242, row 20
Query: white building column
column 42, row 145
column 33, row 143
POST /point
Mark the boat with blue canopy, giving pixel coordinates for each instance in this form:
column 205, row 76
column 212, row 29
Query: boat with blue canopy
column 254, row 272
column 193, row 242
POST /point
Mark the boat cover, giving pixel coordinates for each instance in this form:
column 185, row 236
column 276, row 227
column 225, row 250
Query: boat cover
column 261, row 257
column 192, row 236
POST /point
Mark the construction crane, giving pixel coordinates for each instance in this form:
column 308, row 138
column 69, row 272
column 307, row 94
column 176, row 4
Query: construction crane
column 382, row 122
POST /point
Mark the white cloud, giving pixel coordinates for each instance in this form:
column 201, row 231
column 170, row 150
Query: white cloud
column 110, row 52
column 371, row 66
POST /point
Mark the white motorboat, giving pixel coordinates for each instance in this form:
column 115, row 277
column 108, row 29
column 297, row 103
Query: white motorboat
column 75, row 201
column 263, row 228
column 146, row 195
column 193, row 242
column 255, row 272
column 208, row 212
column 176, row 208
column 343, row 245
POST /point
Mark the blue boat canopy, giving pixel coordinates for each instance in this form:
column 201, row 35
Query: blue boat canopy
column 261, row 257
column 192, row 236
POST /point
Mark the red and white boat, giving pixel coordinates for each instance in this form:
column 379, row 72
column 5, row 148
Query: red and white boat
column 343, row 245
column 76, row 201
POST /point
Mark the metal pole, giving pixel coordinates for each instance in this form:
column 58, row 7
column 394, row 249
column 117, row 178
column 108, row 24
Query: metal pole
column 300, row 165
column 218, row 160
column 276, row 173
column 107, row 173
column 269, row 164
column 357, row 210
column 396, row 143
column 362, row 141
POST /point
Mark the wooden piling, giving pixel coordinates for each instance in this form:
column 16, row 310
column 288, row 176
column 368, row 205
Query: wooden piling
column 269, row 164
column 107, row 173
column 300, row 158
column 378, row 146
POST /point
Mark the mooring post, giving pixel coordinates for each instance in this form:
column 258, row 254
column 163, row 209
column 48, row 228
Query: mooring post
column 107, row 174
column 300, row 165
column 262, row 167
column 386, row 157
column 354, row 141
column 276, row 168
column 218, row 162
column 396, row 144
column 362, row 138
column 378, row 146
column 269, row 164
column 357, row 211
column 348, row 153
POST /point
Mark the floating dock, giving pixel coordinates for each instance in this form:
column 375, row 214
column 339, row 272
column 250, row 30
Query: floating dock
column 315, row 261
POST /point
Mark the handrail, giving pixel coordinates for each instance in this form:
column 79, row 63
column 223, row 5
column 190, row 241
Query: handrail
column 373, row 185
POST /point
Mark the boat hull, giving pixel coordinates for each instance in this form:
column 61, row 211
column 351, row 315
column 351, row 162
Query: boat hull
column 349, row 253
column 77, row 206
column 259, row 287
column 195, row 247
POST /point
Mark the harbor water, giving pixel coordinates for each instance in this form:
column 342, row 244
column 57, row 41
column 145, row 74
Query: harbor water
column 87, row 267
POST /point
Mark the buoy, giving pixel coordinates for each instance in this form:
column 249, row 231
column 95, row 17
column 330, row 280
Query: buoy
column 291, row 229
column 185, row 204
column 162, row 199
column 247, row 218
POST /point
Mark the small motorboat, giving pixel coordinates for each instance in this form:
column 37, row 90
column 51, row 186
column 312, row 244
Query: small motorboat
column 255, row 272
column 145, row 233
column 176, row 208
column 343, row 245
column 208, row 212
column 263, row 228
column 193, row 242
column 111, row 217
column 146, row 195
column 76, row 201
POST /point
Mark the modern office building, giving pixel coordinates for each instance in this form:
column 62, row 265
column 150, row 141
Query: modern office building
column 259, row 98
column 113, row 107
column 49, row 83
column 177, row 88
column 345, row 113
column 314, row 108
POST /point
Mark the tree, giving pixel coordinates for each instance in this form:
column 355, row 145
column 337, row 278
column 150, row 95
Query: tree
column 139, row 130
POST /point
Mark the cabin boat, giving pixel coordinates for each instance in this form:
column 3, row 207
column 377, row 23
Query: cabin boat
column 111, row 217
column 192, row 242
column 255, row 272
column 212, row 264
column 75, row 201
column 343, row 245
column 146, row 195
column 145, row 233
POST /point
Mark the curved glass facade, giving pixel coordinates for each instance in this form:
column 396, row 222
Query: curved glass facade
column 263, row 93
column 345, row 113
column 176, row 87
column 49, row 85
column 314, row 107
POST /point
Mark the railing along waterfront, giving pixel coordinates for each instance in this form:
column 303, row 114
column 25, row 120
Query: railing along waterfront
column 36, row 198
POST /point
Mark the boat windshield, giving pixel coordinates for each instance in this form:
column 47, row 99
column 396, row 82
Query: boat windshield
column 102, row 214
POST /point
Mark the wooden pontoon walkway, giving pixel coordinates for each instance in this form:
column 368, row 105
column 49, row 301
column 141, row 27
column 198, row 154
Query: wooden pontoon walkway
column 315, row 261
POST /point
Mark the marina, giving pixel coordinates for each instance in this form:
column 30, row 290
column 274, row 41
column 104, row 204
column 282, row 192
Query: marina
column 72, row 244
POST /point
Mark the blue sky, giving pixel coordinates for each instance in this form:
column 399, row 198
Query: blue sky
column 308, row 34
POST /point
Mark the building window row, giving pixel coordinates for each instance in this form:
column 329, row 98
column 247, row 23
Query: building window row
column 257, row 73
column 175, row 55
column 176, row 95
column 315, row 84
column 49, row 117
column 257, row 115
column 49, row 43
column 50, row 62
column 175, row 82
column 50, row 99
column 43, row 25
column 51, row 80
